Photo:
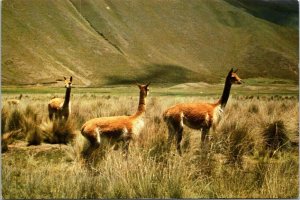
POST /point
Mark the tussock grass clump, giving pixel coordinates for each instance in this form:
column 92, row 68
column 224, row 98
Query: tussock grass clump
column 4, row 117
column 58, row 131
column 235, row 141
column 34, row 136
column 8, row 138
column 15, row 120
column 234, row 136
column 12, row 124
column 275, row 135
column 33, row 113
column 32, row 120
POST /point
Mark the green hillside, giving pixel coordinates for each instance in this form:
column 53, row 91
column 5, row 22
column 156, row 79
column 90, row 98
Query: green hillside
column 118, row 42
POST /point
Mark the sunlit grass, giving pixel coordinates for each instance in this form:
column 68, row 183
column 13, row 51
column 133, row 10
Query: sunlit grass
column 237, row 163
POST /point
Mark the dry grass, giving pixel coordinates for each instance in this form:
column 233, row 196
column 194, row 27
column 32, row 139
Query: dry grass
column 251, row 154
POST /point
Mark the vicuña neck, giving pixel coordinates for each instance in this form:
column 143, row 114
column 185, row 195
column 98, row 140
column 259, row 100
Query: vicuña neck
column 226, row 92
column 142, row 105
column 67, row 97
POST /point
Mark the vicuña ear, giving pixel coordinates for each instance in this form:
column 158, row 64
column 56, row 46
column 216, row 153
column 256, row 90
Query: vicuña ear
column 139, row 85
column 65, row 78
column 71, row 78
column 236, row 70
column 231, row 70
column 148, row 84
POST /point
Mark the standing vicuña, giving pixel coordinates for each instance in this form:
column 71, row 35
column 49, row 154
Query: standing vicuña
column 59, row 107
column 198, row 115
column 118, row 128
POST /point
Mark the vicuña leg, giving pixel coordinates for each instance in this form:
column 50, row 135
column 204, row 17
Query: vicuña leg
column 125, row 148
column 204, row 134
column 175, row 129
column 94, row 144
column 178, row 139
column 171, row 135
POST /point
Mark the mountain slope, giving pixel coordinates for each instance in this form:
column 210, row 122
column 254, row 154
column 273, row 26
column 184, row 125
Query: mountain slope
column 113, row 42
column 282, row 12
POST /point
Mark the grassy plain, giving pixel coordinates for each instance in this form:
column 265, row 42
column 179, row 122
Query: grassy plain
column 252, row 154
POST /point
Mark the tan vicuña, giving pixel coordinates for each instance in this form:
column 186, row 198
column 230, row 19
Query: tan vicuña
column 15, row 101
column 61, row 108
column 117, row 128
column 200, row 116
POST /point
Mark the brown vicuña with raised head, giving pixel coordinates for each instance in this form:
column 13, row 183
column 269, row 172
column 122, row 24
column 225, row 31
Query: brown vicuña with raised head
column 116, row 128
column 200, row 116
column 61, row 108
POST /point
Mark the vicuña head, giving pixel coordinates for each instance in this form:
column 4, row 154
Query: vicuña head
column 61, row 108
column 116, row 129
column 200, row 116
column 68, row 82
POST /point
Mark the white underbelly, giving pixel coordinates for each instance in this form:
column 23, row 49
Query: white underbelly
column 217, row 114
column 138, row 125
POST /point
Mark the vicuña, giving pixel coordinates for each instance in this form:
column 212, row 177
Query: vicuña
column 117, row 128
column 15, row 101
column 61, row 108
column 199, row 116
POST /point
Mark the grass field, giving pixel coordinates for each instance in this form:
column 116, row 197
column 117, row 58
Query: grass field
column 252, row 154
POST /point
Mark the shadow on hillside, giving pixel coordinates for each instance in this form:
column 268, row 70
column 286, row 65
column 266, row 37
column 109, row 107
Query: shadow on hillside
column 282, row 12
column 160, row 73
